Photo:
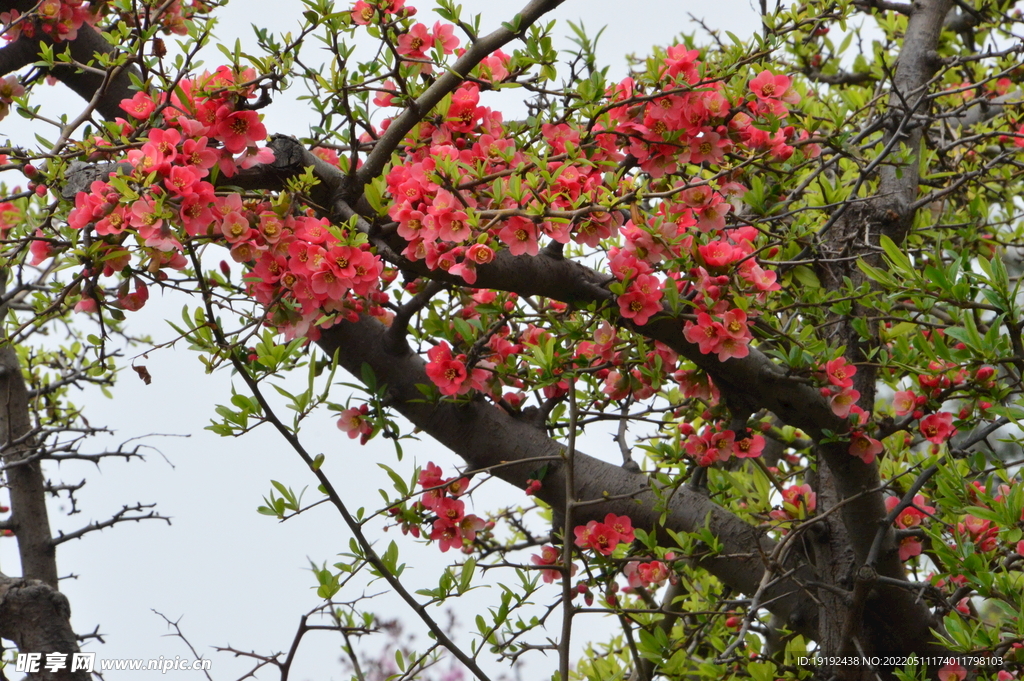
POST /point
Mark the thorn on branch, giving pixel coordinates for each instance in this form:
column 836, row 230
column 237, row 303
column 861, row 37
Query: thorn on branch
column 122, row 516
column 95, row 633
column 178, row 634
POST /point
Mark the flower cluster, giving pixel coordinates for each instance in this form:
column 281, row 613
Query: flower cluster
column 458, row 198
column 550, row 556
column 720, row 328
column 60, row 20
column 713, row 444
column 449, row 373
column 605, row 537
column 301, row 266
column 453, row 528
column 442, row 227
column 838, row 377
column 910, row 517
column 650, row 574
column 365, row 13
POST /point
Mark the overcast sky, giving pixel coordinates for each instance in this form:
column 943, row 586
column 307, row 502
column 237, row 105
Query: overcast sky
column 235, row 577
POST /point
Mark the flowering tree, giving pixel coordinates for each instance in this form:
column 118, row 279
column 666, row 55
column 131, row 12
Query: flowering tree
column 782, row 272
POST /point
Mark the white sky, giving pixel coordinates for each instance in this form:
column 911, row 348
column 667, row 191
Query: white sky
column 235, row 577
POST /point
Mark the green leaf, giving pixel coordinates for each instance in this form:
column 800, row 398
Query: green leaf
column 466, row 578
column 806, row 276
column 897, row 258
column 369, row 379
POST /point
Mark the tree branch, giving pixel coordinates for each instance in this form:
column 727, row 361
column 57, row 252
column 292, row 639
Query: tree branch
column 447, row 83
column 487, row 437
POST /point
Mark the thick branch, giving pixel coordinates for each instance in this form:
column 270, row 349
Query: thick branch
column 37, row 618
column 857, row 233
column 18, row 55
column 27, row 486
column 487, row 437
column 918, row 62
column 24, row 51
column 754, row 382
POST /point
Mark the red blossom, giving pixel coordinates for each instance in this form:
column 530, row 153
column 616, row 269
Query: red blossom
column 937, row 427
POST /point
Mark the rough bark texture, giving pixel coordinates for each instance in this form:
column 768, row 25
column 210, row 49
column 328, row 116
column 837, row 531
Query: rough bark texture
column 25, row 481
column 35, row 616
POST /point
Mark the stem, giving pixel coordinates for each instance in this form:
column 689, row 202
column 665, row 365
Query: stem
column 567, row 530
column 367, row 547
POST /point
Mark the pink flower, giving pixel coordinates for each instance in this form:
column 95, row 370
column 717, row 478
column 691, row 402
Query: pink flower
column 549, row 555
column 681, row 60
column 952, row 672
column 86, row 304
column 195, row 154
column 493, row 68
column 415, row 43
column 362, row 13
column 182, row 180
column 903, row 402
column 653, row 573
column 749, row 447
column 937, row 427
column 771, row 90
column 732, row 347
column 40, row 248
column 238, row 130
column 597, row 536
column 133, row 302
column 465, row 269
column 140, row 106
column 864, row 448
column 480, row 254
column 763, row 280
column 799, row 499
column 353, row 421
column 452, row 511
column 521, row 236
column 718, row 254
column 699, row 447
column 843, row 401
column 235, row 228
column 445, row 34
column 470, row 525
column 734, row 322
column 447, row 373
column 840, row 373
column 913, row 515
column 910, row 547
column 447, row 535
column 641, row 299
column 622, row 525
column 706, row 333
column 465, row 111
